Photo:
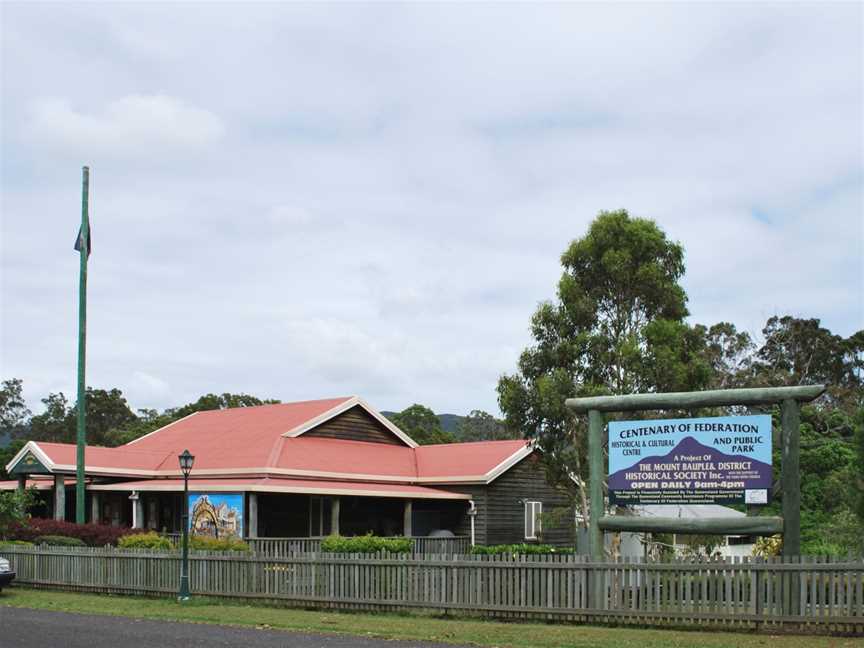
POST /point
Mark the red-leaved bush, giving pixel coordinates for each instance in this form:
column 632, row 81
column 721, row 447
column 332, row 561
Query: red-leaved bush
column 93, row 535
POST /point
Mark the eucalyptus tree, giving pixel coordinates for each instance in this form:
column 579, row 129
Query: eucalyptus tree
column 616, row 326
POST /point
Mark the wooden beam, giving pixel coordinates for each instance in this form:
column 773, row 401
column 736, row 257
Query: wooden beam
column 334, row 516
column 596, row 473
column 408, row 514
column 693, row 400
column 718, row 526
column 790, row 477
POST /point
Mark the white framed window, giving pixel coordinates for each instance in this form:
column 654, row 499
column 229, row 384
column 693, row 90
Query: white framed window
column 533, row 526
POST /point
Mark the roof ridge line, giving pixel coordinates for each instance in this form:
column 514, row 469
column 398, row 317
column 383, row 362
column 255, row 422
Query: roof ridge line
column 275, row 452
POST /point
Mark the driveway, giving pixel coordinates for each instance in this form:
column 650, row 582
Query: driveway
column 24, row 628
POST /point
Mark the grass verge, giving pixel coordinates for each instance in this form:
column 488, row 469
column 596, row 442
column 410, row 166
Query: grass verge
column 412, row 627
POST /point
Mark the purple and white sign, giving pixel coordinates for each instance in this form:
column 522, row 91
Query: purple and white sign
column 720, row 460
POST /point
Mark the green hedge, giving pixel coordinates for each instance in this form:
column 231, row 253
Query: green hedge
column 154, row 541
column 25, row 543
column 519, row 549
column 151, row 540
column 61, row 541
column 204, row 543
column 365, row 544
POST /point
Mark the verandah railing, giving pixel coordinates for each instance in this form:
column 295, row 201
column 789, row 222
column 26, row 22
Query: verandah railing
column 292, row 546
column 421, row 545
column 810, row 594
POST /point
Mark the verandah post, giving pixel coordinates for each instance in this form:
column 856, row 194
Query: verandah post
column 334, row 516
column 252, row 531
column 59, row 497
column 407, row 519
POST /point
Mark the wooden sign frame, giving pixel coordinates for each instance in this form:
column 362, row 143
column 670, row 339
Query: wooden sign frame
column 789, row 524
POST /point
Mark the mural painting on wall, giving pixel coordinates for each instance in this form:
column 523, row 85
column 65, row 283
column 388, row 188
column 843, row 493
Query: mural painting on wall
column 217, row 515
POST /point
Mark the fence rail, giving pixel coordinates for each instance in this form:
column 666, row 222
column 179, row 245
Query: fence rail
column 809, row 594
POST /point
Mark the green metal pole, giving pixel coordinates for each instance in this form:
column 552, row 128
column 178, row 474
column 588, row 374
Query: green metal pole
column 82, row 348
column 184, row 565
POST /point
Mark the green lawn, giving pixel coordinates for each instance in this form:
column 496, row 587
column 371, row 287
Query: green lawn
column 388, row 626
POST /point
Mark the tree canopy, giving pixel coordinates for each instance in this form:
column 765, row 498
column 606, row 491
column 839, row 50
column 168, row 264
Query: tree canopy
column 482, row 426
column 618, row 326
column 421, row 424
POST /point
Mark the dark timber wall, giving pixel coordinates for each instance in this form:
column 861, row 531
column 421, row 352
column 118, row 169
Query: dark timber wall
column 355, row 424
column 505, row 510
column 500, row 506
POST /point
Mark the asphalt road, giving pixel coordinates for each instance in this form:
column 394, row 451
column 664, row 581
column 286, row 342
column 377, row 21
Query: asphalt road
column 24, row 628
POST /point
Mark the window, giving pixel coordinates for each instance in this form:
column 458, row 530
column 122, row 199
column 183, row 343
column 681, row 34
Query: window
column 533, row 528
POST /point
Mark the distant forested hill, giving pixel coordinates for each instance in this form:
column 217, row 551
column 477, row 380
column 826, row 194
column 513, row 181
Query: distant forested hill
column 449, row 422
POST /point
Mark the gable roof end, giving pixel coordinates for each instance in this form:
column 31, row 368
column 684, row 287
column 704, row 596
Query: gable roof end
column 30, row 447
column 354, row 401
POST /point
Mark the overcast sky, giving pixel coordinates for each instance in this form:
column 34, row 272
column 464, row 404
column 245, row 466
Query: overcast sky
column 305, row 201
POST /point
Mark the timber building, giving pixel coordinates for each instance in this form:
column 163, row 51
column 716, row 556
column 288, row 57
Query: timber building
column 305, row 470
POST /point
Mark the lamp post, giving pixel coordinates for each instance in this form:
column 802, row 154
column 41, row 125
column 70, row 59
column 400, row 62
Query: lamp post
column 186, row 461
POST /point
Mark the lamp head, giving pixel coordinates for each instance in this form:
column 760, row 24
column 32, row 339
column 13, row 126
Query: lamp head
column 186, row 461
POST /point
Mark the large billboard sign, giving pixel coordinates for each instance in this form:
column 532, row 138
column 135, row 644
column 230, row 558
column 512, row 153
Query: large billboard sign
column 218, row 515
column 720, row 460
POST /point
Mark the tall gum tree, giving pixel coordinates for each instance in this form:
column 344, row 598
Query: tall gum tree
column 616, row 327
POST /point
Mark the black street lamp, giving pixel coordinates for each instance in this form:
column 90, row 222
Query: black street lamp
column 186, row 461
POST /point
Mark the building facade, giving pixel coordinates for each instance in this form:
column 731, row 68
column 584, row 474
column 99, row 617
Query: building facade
column 305, row 470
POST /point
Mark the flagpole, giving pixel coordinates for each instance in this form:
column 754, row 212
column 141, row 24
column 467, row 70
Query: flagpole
column 82, row 346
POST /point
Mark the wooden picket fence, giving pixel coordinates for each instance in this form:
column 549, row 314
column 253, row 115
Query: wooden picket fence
column 809, row 594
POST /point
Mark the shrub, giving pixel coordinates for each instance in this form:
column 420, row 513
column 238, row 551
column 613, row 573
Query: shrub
column 93, row 535
column 151, row 540
column 18, row 543
column 519, row 549
column 205, row 543
column 365, row 544
column 61, row 541
column 768, row 547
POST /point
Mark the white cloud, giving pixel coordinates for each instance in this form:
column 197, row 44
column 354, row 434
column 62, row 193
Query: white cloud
column 126, row 127
column 299, row 201
column 146, row 390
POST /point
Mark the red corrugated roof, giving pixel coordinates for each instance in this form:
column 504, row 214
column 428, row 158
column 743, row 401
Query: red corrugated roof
column 252, row 440
column 245, row 436
column 64, row 454
column 464, row 459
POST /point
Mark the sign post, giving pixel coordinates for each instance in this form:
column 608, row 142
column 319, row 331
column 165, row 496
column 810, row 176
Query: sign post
column 741, row 476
